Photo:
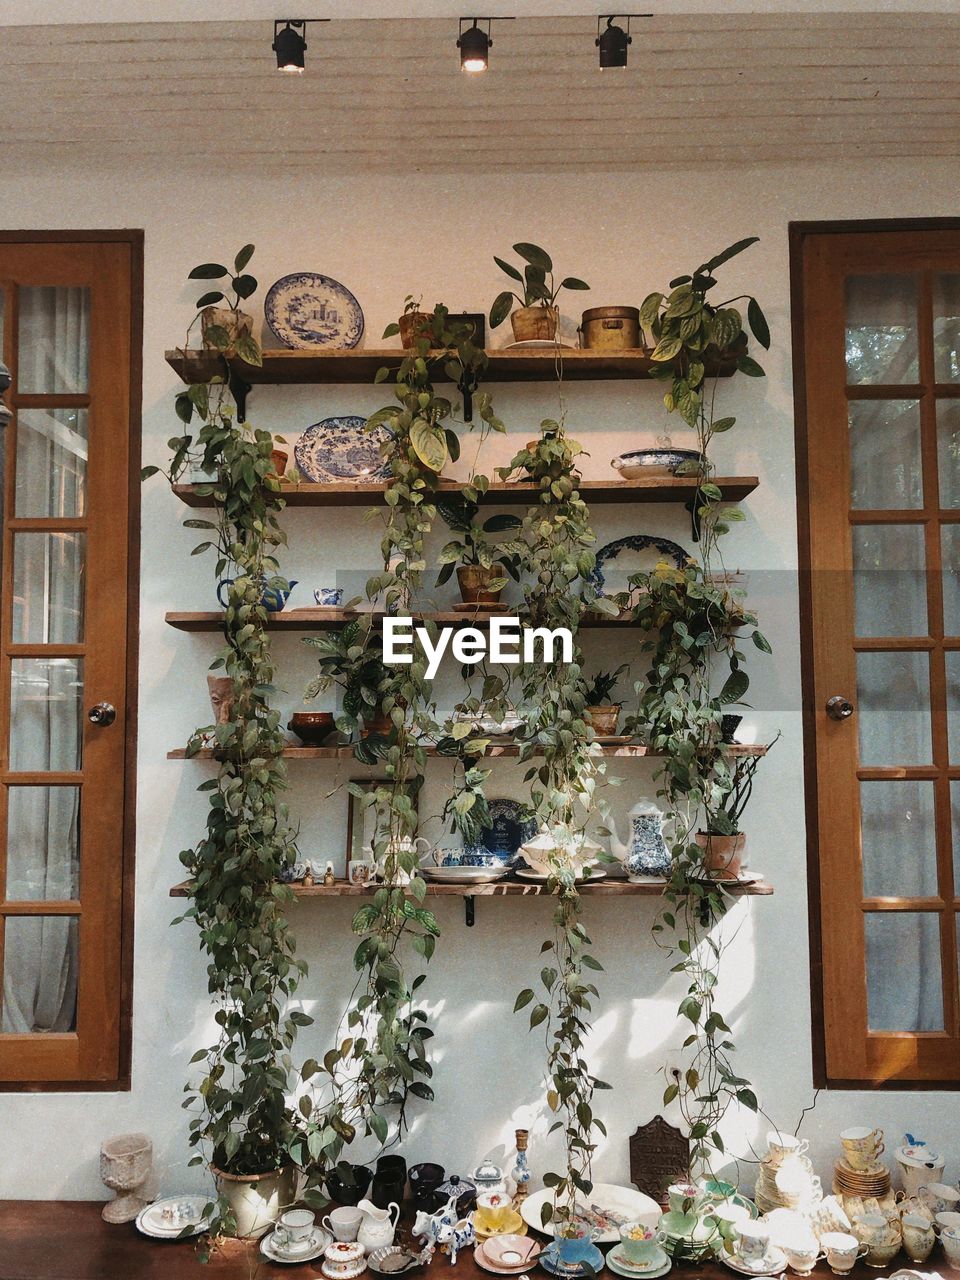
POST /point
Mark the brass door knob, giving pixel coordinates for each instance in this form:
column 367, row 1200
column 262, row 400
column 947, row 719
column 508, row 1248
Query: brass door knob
column 102, row 714
column 839, row 708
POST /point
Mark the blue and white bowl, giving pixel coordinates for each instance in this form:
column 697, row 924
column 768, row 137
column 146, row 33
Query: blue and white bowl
column 638, row 463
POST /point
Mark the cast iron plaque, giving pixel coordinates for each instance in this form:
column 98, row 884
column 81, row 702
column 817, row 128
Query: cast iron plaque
column 659, row 1155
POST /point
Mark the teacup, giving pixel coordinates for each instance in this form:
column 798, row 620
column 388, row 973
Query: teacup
column 510, row 1250
column 572, row 1251
column 872, row 1228
column 294, row 1231
column 360, row 871
column 802, row 1257
column 343, row 1224
column 947, row 1221
column 493, row 1213
column 753, row 1240
column 939, row 1197
column 684, row 1197
column 951, row 1245
column 782, row 1145
column 329, row 597
column 861, row 1146
column 918, row 1237
column 638, row 1243
column 842, row 1250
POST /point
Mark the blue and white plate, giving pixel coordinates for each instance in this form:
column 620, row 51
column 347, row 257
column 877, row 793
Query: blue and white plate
column 638, row 553
column 339, row 449
column 311, row 310
column 511, row 825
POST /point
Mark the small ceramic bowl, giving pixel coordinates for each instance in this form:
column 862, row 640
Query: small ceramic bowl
column 311, row 727
column 655, row 462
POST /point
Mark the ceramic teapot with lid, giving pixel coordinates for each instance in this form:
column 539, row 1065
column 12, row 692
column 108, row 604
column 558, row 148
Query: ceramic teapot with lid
column 646, row 852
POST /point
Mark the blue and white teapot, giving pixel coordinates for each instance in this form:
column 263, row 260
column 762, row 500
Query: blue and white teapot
column 646, row 852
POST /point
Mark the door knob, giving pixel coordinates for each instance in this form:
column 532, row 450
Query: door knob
column 102, row 713
column 839, row 708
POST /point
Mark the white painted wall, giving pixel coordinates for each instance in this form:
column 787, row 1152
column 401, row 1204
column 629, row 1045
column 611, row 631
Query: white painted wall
column 626, row 235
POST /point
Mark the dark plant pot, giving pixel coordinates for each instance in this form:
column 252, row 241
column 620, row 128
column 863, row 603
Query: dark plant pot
column 728, row 728
column 411, row 323
column 345, row 1192
column 389, row 1181
column 603, row 719
column 381, row 724
column 475, row 579
column 475, row 321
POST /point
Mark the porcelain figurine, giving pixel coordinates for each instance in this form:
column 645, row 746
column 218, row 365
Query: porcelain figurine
column 646, row 853
column 272, row 599
column 377, row 1226
column 445, row 1230
column 222, row 697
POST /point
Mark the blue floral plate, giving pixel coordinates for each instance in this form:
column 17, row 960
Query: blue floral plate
column 340, row 449
column 511, row 823
column 311, row 310
column 610, row 584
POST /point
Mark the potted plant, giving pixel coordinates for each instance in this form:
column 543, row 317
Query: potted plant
column 600, row 711
column 723, row 842
column 411, row 324
column 352, row 660
column 225, row 327
column 537, row 316
column 480, row 564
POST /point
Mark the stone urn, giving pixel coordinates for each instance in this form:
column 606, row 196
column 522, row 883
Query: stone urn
column 126, row 1163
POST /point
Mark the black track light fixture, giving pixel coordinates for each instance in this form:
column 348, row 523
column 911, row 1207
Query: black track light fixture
column 613, row 41
column 474, row 43
column 289, row 43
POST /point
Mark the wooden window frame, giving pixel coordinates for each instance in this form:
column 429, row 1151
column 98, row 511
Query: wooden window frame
column 799, row 234
column 134, row 238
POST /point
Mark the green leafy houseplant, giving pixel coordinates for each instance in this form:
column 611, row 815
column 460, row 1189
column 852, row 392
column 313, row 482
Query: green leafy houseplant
column 602, row 713
column 352, row 660
column 539, row 294
column 226, row 328
column 473, row 552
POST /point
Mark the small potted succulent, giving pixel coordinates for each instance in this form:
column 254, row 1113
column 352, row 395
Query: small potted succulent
column 480, row 565
column 537, row 316
column 601, row 712
column 223, row 326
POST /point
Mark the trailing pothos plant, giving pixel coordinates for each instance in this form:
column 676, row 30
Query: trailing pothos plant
column 241, row 1121
column 558, row 556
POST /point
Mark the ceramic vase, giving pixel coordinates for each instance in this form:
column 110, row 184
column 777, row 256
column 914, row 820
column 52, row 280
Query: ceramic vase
column 534, row 324
column 125, row 1165
column 257, row 1199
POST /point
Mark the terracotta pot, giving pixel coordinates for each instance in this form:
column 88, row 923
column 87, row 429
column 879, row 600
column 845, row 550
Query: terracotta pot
column 475, row 579
column 257, row 1199
column 411, row 322
column 279, row 458
column 603, row 719
column 722, row 854
column 377, row 724
column 237, row 324
column 532, row 324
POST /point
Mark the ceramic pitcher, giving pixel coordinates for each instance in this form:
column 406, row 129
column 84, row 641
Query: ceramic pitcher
column 377, row 1226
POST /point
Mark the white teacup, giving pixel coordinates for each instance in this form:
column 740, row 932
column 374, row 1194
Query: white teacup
column 684, row 1197
column 343, row 1224
column 752, row 1240
column 872, row 1228
column 842, row 1250
column 861, row 1146
column 951, row 1245
column 782, row 1145
column 947, row 1221
column 939, row 1197
column 802, row 1257
column 294, row 1230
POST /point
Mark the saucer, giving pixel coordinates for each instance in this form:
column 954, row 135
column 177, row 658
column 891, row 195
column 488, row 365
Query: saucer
column 538, row 877
column 653, row 1267
column 481, row 1258
column 479, row 607
column 150, row 1222
column 513, row 1226
column 338, row 1272
column 549, row 1261
column 773, row 1264
column 629, row 1269
column 313, row 1248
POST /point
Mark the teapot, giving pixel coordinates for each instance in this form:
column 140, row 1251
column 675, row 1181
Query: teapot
column 272, row 598
column 646, row 854
column 377, row 1226
column 397, row 847
column 544, row 851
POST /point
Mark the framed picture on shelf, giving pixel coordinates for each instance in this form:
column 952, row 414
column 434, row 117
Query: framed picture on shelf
column 361, row 828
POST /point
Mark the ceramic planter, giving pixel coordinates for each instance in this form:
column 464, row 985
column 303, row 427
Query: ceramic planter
column 603, row 719
column 279, row 458
column 534, row 324
column 237, row 324
column 475, row 579
column 722, row 854
column 411, row 323
column 257, row 1199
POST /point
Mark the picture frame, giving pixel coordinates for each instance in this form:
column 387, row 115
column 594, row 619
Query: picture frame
column 360, row 825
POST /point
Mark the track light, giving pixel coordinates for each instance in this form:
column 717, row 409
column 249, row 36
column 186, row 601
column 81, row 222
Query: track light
column 474, row 45
column 289, row 45
column 612, row 41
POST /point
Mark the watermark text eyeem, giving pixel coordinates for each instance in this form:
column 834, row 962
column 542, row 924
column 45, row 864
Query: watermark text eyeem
column 505, row 641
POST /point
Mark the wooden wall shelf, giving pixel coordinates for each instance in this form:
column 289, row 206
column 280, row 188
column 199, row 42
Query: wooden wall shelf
column 626, row 750
column 334, row 619
column 360, row 366
column 503, row 889
column 506, row 493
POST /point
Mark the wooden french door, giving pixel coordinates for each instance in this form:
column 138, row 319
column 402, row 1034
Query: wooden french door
column 877, row 372
column 67, row 702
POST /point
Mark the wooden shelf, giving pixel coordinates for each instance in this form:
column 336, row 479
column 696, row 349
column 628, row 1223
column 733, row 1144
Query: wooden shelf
column 504, row 493
column 501, row 889
column 627, row 750
column 360, row 366
column 334, row 619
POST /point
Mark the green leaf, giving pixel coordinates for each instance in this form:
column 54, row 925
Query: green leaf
column 244, row 286
column 571, row 282
column 750, row 367
column 502, row 306
column 208, row 271
column 523, row 999
column 147, row 472
column 248, row 349
column 758, row 324
column 242, row 258
column 735, row 687
column 429, row 444
column 508, row 269
column 533, row 254
column 726, row 255
column 761, row 641
column 208, row 299
column 666, row 349
column 748, row 1099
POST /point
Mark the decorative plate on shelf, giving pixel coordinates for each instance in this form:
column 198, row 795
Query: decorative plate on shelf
column 619, row 560
column 341, row 449
column 609, row 1208
column 511, row 825
column 308, row 309
column 453, row 874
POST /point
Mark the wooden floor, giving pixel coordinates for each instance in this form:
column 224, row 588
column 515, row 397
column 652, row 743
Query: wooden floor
column 68, row 1240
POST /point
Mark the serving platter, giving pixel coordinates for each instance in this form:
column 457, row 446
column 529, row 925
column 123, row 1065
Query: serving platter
column 339, row 449
column 609, row 1208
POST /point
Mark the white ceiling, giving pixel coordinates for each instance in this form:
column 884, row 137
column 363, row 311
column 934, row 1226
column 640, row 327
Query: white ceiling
column 388, row 95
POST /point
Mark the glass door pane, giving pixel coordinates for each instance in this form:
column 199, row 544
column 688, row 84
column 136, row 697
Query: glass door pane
column 881, row 332
column 46, row 715
column 51, row 462
column 889, row 580
column 40, row 973
column 48, row 582
column 898, row 839
column 43, row 844
column 904, row 980
column 946, row 327
column 885, row 465
column 893, row 708
column 53, row 351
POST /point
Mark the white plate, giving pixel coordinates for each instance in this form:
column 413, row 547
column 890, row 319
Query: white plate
column 270, row 1250
column 149, row 1223
column 464, row 875
column 538, row 877
column 628, row 1206
column 618, row 1270
column 744, row 878
column 308, row 309
column 771, row 1265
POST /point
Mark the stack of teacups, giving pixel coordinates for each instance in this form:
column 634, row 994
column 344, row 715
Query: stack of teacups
column 859, row 1171
column 787, row 1180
